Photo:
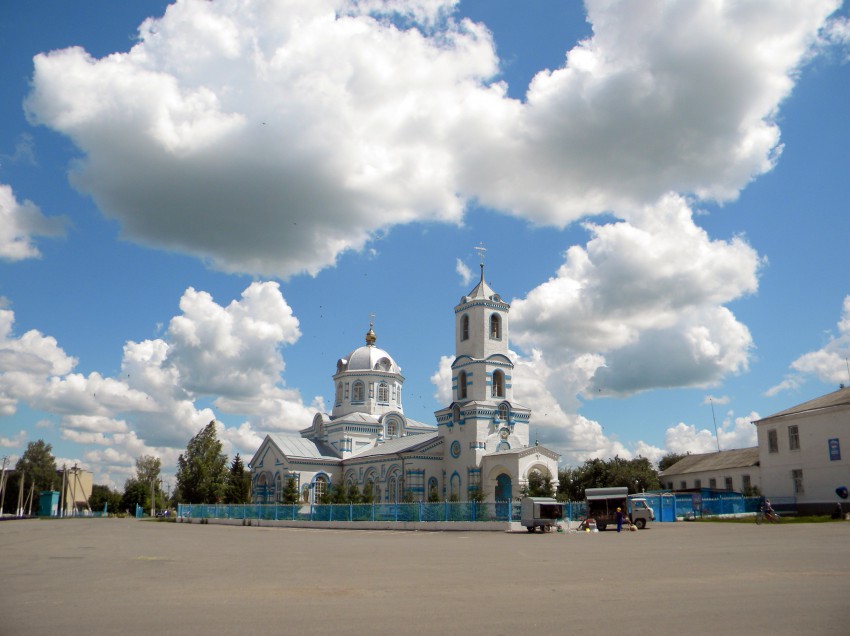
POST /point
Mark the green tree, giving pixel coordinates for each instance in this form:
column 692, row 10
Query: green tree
column 353, row 494
column 669, row 459
column 433, row 495
column 290, row 491
column 539, row 485
column 137, row 489
column 101, row 494
column 238, row 487
column 636, row 474
column 135, row 493
column 202, row 469
column 36, row 466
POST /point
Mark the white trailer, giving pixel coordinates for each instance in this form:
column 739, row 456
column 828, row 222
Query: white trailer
column 540, row 512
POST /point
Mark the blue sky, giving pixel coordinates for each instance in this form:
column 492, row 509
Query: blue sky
column 202, row 204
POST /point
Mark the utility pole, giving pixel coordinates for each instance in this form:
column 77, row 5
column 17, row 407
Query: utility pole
column 3, row 485
column 20, row 510
column 153, row 500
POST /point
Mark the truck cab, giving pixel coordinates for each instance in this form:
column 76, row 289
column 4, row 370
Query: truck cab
column 602, row 504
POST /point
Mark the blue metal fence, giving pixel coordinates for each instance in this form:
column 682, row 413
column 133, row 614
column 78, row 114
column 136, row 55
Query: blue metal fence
column 667, row 507
column 467, row 511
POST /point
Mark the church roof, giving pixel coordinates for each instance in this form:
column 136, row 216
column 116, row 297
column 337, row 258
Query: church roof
column 841, row 397
column 722, row 460
column 482, row 291
column 397, row 445
column 295, row 446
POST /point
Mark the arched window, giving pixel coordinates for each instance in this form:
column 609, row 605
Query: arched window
column 504, row 412
column 339, row 393
column 433, row 490
column 320, row 487
column 464, row 327
column 456, row 414
column 392, row 490
column 455, row 487
column 498, row 384
column 392, row 428
column 278, row 488
column 495, row 327
column 383, row 393
column 461, row 385
column 357, row 392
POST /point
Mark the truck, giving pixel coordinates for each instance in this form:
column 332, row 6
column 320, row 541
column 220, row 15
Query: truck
column 540, row 512
column 602, row 504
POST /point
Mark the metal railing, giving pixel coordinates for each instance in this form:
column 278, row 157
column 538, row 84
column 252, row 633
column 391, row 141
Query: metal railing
column 420, row 512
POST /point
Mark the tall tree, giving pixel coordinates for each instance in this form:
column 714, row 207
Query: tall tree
column 290, row 491
column 38, row 464
column 137, row 489
column 100, row 495
column 238, row 483
column 202, row 469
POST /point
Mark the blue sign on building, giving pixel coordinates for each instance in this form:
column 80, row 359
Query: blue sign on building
column 834, row 450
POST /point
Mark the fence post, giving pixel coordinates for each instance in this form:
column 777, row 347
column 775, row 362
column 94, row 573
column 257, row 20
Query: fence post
column 420, row 511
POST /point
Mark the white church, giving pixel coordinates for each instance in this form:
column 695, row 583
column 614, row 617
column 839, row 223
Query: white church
column 480, row 440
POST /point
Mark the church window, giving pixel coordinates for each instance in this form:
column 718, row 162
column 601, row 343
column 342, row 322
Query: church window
column 464, row 327
column 320, row 487
column 498, row 384
column 495, row 327
column 392, row 428
column 456, row 414
column 339, row 393
column 461, row 385
column 278, row 488
column 455, row 487
column 383, row 393
column 392, row 490
column 504, row 412
column 357, row 392
column 433, row 490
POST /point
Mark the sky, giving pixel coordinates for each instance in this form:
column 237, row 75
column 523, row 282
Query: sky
column 204, row 204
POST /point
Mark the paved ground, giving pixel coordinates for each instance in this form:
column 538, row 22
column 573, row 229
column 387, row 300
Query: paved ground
column 111, row 576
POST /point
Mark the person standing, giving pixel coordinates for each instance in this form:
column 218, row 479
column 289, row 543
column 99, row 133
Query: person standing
column 619, row 519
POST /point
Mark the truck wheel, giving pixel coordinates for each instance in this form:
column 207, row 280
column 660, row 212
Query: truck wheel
column 640, row 523
column 530, row 528
column 600, row 526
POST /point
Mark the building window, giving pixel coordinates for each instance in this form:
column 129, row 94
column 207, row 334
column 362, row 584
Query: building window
column 697, row 483
column 339, row 393
column 504, row 412
column 392, row 490
column 464, row 327
column 797, row 476
column 357, row 392
column 669, row 485
column 794, row 437
column 746, row 483
column 498, row 384
column 495, row 327
column 728, row 483
column 278, row 488
column 392, row 429
column 320, row 487
column 712, row 483
column 683, row 485
column 474, row 477
column 461, row 385
column 456, row 414
column 383, row 393
column 772, row 442
column 433, row 490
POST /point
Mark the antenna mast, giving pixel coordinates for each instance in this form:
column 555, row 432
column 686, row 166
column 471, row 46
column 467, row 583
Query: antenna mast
column 714, row 419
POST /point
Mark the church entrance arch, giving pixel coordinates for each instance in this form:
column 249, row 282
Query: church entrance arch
column 504, row 494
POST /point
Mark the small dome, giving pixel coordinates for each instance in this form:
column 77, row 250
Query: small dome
column 368, row 358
